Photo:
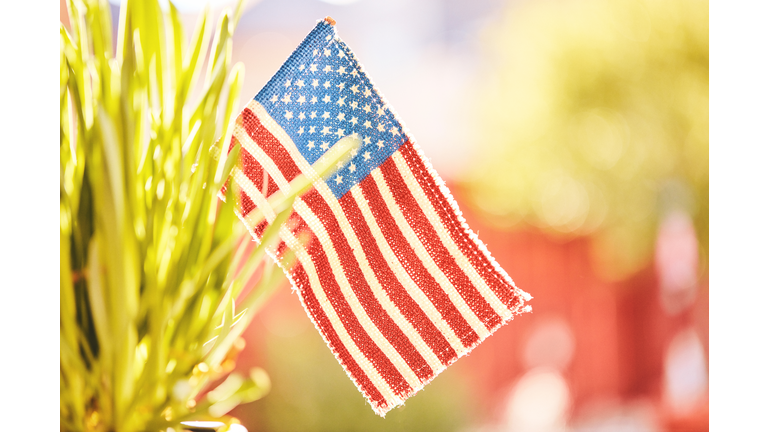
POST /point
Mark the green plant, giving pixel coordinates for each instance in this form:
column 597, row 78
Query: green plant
column 151, row 261
column 596, row 122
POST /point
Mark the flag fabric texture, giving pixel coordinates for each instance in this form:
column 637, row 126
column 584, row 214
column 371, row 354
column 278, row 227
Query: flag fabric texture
column 386, row 267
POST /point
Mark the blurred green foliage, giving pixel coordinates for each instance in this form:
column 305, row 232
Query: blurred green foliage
column 595, row 121
column 151, row 260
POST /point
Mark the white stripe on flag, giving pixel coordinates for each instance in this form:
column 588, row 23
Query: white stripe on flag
column 426, row 258
column 357, row 308
column 338, row 327
column 402, row 275
column 434, row 219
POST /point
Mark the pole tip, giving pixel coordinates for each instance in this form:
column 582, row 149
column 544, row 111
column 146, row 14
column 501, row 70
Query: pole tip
column 330, row 20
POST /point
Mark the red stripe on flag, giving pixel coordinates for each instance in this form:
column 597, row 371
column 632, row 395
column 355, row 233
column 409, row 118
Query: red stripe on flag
column 256, row 173
column 362, row 290
column 414, row 266
column 259, row 229
column 503, row 290
column 301, row 280
column 282, row 247
column 394, row 289
column 428, row 236
column 245, row 204
column 356, row 331
column 271, row 145
column 232, row 142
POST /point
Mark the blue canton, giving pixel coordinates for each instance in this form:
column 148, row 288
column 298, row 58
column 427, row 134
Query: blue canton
column 320, row 95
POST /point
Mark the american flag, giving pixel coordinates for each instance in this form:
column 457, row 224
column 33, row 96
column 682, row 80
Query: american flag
column 392, row 277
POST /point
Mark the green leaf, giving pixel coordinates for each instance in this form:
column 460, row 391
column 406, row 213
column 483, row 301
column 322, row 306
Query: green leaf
column 146, row 247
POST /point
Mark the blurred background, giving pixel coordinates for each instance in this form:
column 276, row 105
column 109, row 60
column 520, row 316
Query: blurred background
column 575, row 136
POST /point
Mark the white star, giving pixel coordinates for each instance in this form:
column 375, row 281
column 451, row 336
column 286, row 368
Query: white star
column 367, row 140
column 326, row 99
column 366, row 155
column 301, row 130
column 340, row 86
column 300, row 83
column 380, row 144
column 380, row 111
column 326, row 84
column 314, row 52
column 394, row 131
column 326, row 115
column 354, row 72
column 313, row 67
column 367, row 124
column 324, row 145
column 340, row 133
column 301, row 100
column 301, row 68
column 367, row 92
column 354, row 89
column 302, row 116
column 288, row 83
column 367, row 108
column 313, row 115
column 340, row 102
column 340, row 117
column 314, row 83
column 311, row 145
column 339, row 179
column 339, row 164
column 353, row 104
column 312, row 129
column 352, row 168
column 380, row 127
column 355, row 135
column 327, row 52
column 314, row 99
column 288, row 115
column 287, row 98
column 342, row 70
column 354, row 120
column 326, row 130
column 274, row 98
column 327, row 68
column 341, row 54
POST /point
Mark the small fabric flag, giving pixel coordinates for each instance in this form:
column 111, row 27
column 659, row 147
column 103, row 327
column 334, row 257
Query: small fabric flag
column 386, row 267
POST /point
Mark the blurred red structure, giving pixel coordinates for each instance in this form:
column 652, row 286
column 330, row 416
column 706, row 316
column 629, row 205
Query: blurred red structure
column 620, row 330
